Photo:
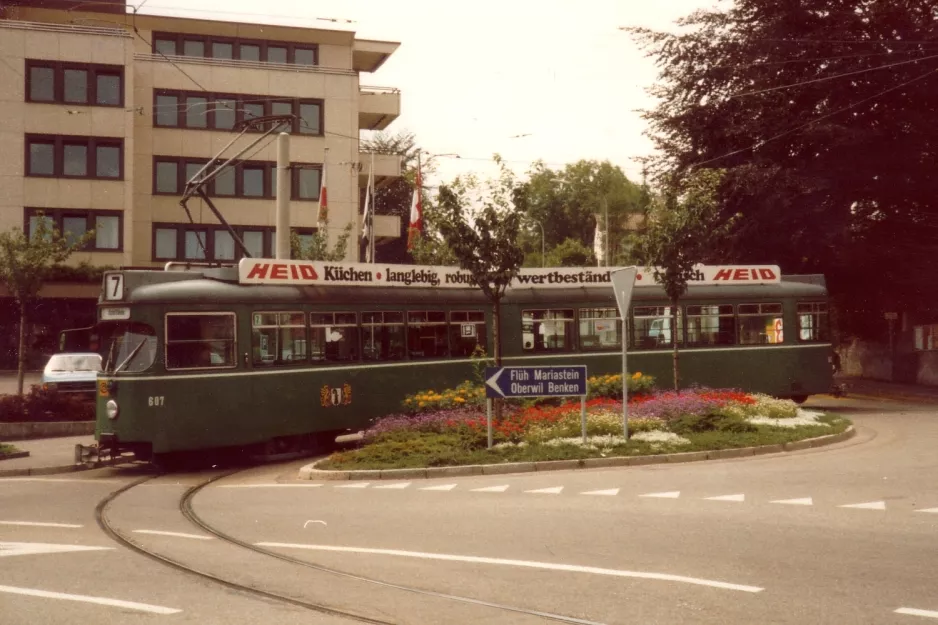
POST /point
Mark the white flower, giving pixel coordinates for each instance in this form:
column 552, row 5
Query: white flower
column 658, row 436
column 804, row 417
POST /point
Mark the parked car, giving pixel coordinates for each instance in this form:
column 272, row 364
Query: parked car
column 72, row 373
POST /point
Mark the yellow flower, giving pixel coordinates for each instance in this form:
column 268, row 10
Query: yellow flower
column 459, row 400
column 420, row 405
column 636, row 375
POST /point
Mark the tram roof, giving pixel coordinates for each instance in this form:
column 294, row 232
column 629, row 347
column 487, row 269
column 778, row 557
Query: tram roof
column 197, row 288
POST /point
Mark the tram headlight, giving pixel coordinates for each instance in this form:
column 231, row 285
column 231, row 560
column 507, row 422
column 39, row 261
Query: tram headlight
column 112, row 409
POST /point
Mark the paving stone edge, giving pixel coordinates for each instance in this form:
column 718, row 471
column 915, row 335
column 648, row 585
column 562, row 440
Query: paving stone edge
column 310, row 472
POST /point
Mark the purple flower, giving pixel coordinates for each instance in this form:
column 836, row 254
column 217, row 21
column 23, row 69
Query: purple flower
column 436, row 421
column 671, row 405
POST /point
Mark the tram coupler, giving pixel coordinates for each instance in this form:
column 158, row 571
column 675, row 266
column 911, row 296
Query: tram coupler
column 106, row 449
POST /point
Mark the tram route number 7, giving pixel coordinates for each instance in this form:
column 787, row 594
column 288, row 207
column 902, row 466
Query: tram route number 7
column 114, row 286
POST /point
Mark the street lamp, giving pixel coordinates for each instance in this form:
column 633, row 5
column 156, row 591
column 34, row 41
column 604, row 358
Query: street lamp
column 542, row 239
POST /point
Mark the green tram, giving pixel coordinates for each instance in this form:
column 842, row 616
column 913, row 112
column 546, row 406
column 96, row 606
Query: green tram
column 200, row 358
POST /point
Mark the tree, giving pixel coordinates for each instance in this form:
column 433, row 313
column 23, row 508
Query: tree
column 683, row 232
column 485, row 241
column 25, row 264
column 819, row 111
column 316, row 245
column 571, row 253
column 565, row 202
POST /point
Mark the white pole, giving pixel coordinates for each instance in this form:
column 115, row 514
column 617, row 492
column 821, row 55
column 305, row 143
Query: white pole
column 625, row 385
column 283, row 196
column 488, row 419
column 371, row 214
column 583, row 417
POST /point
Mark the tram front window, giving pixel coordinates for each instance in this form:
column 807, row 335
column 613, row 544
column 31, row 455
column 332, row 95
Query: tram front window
column 127, row 346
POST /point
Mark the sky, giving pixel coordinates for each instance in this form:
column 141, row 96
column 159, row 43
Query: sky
column 554, row 80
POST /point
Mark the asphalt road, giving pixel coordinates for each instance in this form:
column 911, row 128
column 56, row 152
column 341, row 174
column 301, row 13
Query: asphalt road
column 843, row 534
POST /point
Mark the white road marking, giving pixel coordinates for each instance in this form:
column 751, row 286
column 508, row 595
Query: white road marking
column 176, row 534
column 727, row 498
column 612, row 492
column 24, row 549
column 313, row 521
column 550, row 566
column 917, row 612
column 674, row 494
column 269, row 485
column 398, row 486
column 554, row 490
column 806, row 501
column 928, row 510
column 871, row 505
column 441, row 487
column 117, row 603
column 354, row 485
column 39, row 524
column 60, row 479
column 491, row 489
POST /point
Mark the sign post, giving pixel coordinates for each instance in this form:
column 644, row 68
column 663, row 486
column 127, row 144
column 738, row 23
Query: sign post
column 623, row 281
column 563, row 381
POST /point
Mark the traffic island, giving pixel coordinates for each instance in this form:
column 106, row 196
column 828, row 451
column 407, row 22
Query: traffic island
column 9, row 452
column 314, row 472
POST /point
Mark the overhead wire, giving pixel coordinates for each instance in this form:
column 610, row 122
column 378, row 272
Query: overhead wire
column 816, row 120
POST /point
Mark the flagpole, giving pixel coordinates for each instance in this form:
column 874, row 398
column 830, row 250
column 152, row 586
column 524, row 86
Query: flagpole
column 371, row 213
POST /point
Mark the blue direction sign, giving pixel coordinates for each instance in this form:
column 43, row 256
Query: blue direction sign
column 535, row 381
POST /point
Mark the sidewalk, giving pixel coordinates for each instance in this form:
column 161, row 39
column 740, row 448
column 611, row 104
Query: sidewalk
column 858, row 387
column 46, row 456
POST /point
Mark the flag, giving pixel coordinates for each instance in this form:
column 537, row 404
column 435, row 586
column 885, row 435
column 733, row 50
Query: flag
column 323, row 199
column 598, row 244
column 416, row 212
column 369, row 215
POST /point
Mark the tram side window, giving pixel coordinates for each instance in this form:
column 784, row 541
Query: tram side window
column 600, row 328
column 200, row 340
column 653, row 326
column 426, row 334
column 333, row 336
column 760, row 324
column 547, row 330
column 711, row 325
column 383, row 335
column 813, row 321
column 466, row 332
column 278, row 338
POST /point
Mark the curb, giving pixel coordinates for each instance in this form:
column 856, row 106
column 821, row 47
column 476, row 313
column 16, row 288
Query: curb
column 66, row 468
column 891, row 396
column 14, row 455
column 310, row 472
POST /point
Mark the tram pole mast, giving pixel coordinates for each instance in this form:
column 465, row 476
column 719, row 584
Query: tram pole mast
column 283, row 196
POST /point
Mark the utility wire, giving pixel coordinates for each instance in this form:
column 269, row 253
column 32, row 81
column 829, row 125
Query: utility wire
column 814, row 121
column 824, row 78
column 816, row 59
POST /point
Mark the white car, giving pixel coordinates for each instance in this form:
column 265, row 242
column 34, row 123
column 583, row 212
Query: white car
column 72, row 373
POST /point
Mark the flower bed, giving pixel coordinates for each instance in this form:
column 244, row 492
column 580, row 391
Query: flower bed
column 440, row 430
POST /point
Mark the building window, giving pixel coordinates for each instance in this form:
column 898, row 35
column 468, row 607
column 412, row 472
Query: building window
column 217, row 111
column 278, row 338
column 653, row 326
column 760, row 324
column 383, row 335
column 74, row 157
column 600, row 328
column 711, row 325
column 73, row 224
column 926, row 337
column 245, row 179
column 813, row 322
column 74, row 83
column 427, row 335
column 212, row 243
column 241, row 49
column 200, row 340
column 547, row 330
column 333, row 336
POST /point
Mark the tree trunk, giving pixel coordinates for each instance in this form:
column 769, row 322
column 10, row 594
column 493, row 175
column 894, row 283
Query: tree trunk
column 21, row 351
column 674, row 341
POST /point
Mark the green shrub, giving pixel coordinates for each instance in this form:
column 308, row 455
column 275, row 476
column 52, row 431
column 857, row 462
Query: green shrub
column 43, row 405
column 715, row 420
column 610, row 385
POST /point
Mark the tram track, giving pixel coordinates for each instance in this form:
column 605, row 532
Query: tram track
column 186, row 509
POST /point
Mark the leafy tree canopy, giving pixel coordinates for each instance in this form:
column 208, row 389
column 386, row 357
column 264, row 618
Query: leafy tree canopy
column 820, row 111
column 566, row 202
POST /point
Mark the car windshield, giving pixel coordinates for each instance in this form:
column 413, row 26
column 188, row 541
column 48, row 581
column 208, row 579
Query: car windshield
column 74, row 362
column 128, row 347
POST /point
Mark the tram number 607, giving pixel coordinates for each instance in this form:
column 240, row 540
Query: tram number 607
column 156, row 400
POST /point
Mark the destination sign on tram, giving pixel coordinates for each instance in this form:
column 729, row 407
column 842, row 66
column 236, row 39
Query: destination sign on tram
column 535, row 381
